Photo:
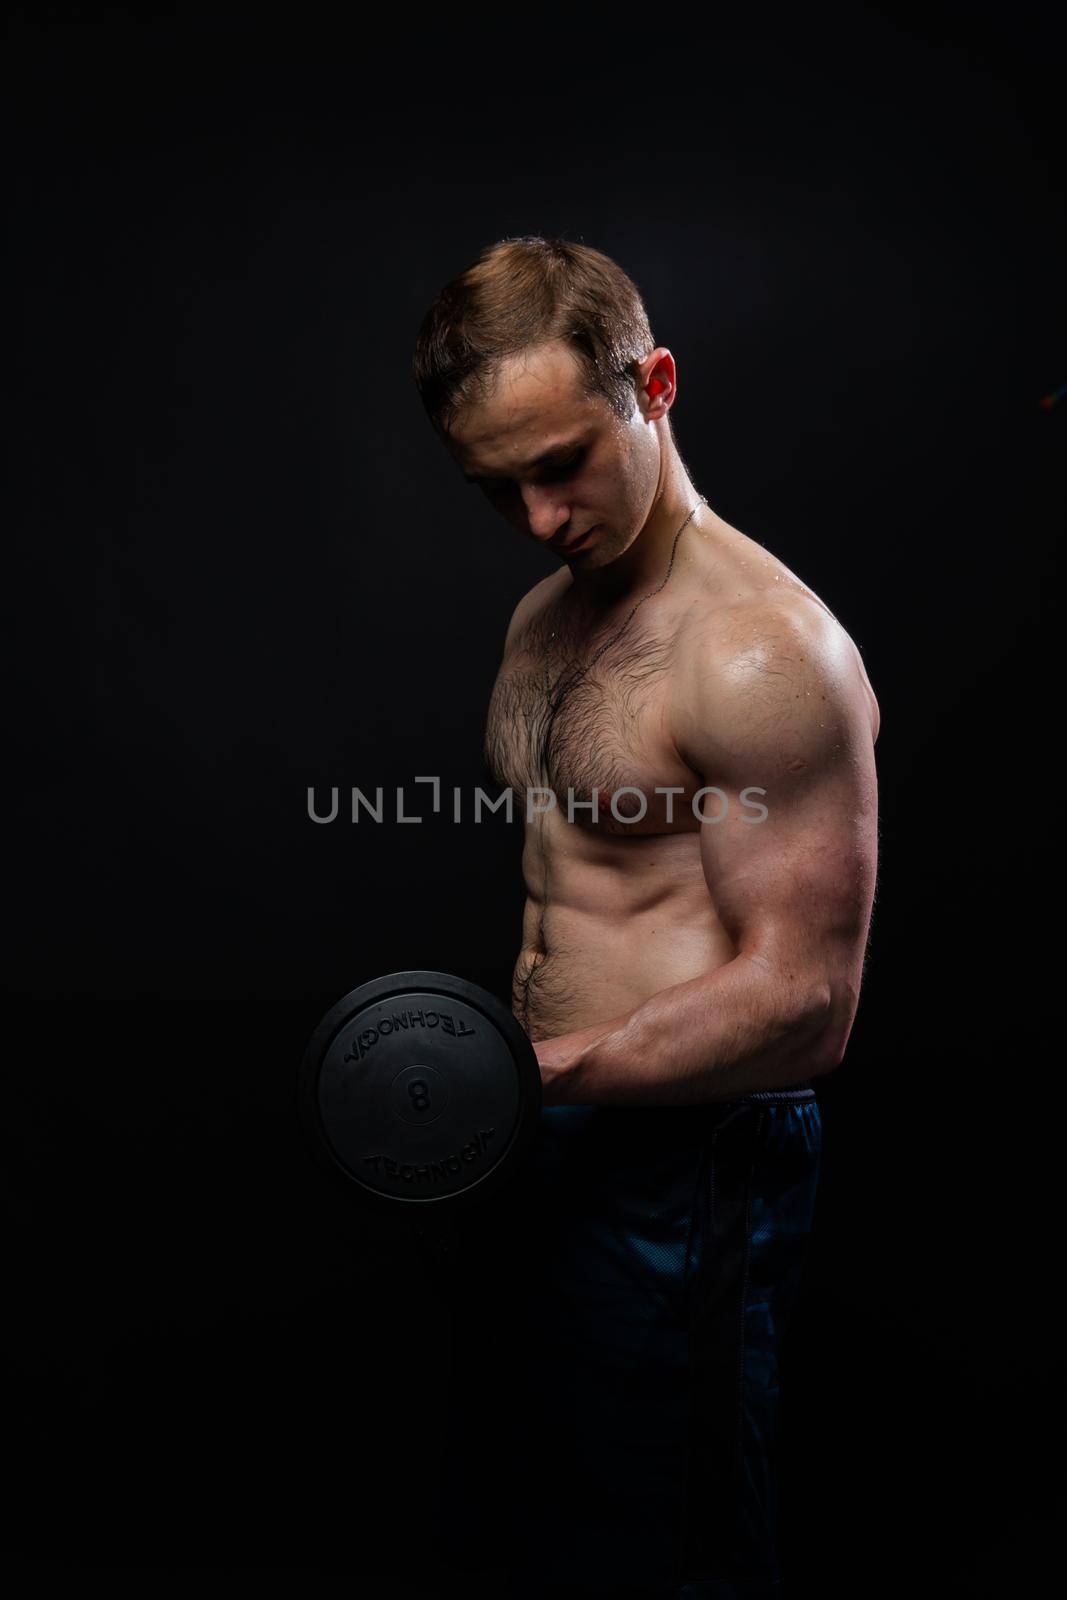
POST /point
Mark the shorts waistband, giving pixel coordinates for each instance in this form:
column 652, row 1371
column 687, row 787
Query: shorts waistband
column 799, row 1091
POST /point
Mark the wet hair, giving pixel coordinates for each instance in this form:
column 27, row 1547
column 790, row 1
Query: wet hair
column 524, row 292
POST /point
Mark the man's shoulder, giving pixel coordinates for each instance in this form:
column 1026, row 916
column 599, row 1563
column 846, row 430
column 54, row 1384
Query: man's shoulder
column 533, row 603
column 767, row 662
column 793, row 637
column 747, row 633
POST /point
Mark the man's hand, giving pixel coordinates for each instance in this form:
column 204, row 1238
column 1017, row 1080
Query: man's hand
column 560, row 1059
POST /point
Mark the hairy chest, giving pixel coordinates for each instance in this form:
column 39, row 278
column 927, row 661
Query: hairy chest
column 575, row 712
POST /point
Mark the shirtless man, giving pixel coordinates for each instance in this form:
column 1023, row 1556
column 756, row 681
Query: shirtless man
column 692, row 733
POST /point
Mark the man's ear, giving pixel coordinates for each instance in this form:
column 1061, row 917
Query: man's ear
column 657, row 379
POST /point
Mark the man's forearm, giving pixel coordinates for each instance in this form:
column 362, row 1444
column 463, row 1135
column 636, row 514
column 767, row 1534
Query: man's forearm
column 742, row 1027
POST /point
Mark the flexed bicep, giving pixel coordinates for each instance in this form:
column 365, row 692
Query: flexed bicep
column 774, row 718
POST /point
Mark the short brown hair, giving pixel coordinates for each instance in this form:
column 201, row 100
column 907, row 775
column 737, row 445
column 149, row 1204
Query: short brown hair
column 522, row 292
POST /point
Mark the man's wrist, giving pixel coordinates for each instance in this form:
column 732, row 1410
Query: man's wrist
column 559, row 1071
column 567, row 1062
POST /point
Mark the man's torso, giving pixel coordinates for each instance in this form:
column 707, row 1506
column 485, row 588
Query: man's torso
column 617, row 905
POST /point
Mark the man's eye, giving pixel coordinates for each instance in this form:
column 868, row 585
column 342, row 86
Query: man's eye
column 563, row 469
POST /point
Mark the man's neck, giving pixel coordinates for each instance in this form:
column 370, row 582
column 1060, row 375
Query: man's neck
column 647, row 560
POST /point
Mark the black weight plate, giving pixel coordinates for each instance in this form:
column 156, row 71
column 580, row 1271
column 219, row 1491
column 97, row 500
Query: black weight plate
column 419, row 1088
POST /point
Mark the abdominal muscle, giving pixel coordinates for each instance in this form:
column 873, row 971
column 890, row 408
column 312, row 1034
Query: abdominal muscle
column 609, row 921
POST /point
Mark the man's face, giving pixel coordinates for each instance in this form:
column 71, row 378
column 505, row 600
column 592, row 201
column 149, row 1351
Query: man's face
column 560, row 466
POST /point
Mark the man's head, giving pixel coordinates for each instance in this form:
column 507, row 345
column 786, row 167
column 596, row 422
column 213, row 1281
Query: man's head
column 538, row 370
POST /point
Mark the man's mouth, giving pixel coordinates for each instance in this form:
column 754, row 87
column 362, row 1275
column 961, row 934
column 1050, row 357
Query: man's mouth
column 573, row 544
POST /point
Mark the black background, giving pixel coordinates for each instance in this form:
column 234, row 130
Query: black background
column 239, row 564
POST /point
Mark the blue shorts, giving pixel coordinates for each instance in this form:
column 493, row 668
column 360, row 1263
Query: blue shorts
column 618, row 1321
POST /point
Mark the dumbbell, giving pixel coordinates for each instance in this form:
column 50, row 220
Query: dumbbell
column 419, row 1095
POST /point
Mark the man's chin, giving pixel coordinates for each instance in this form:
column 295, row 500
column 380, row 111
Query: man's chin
column 601, row 553
column 591, row 560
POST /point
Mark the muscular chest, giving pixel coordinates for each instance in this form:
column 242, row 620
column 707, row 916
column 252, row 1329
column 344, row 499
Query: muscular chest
column 574, row 714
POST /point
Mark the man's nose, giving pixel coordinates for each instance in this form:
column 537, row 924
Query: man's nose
column 545, row 513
